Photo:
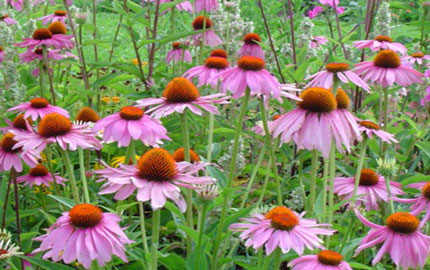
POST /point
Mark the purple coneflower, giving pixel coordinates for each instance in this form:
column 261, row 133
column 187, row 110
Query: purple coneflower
column 333, row 4
column 206, row 5
column 212, row 67
column 341, row 71
column 251, row 46
column 316, row 122
column 11, row 156
column 324, row 260
column 7, row 20
column 17, row 4
column 369, row 128
column 421, row 202
column 40, row 175
column 131, row 123
column 418, row 58
column 84, row 234
column 210, row 38
column 157, row 177
column 179, row 53
column 180, row 94
column 371, row 189
column 387, row 69
column 400, row 237
column 381, row 43
column 19, row 123
column 184, row 6
column 56, row 128
column 59, row 15
column 278, row 227
column 37, row 108
column 31, row 55
column 54, row 36
column 315, row 12
column 1, row 54
column 249, row 73
column 317, row 41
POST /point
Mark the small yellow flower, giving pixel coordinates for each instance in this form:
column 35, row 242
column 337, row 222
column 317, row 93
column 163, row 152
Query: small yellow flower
column 98, row 166
column 105, row 99
column 115, row 99
column 136, row 62
column 121, row 159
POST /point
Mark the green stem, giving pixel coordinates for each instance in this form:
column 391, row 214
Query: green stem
column 278, row 261
column 41, row 80
column 266, row 180
column 155, row 238
column 332, row 166
column 142, row 228
column 253, row 175
column 234, row 153
column 385, row 117
column 130, row 153
column 201, row 231
column 268, row 142
column 314, row 168
column 348, row 232
column 364, row 144
column 48, row 72
column 211, row 131
column 324, row 189
column 390, row 201
column 188, row 194
column 83, row 177
column 72, row 179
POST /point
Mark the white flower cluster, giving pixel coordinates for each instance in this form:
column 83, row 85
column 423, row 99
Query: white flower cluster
column 383, row 20
column 229, row 25
column 295, row 200
column 305, row 30
column 224, row 161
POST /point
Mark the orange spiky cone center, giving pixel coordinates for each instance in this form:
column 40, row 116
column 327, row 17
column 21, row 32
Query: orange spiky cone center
column 219, row 53
column 387, row 59
column 42, row 33
column 317, row 99
column 85, row 215
column 20, row 122
column 61, row 13
column 383, row 38
column 368, row 177
column 216, row 62
column 282, row 218
column 418, row 55
column 251, row 63
column 180, row 90
column 199, row 23
column 86, row 114
column 7, row 143
column 131, row 113
column 54, row 124
column 426, row 191
column 337, row 67
column 403, row 223
column 328, row 257
column 58, row 28
column 39, row 170
column 370, row 125
column 179, row 155
column 157, row 165
column 252, row 38
column 342, row 99
column 39, row 102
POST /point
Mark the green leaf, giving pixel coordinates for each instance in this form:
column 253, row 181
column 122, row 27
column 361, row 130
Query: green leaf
column 67, row 202
column 47, row 265
column 356, row 265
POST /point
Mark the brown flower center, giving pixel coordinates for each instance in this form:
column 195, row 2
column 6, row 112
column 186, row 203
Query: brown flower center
column 216, row 62
column 370, row 125
column 86, row 114
column 342, row 99
column 219, row 53
column 328, row 257
column 58, row 28
column 418, row 55
column 2, row 17
column 383, row 38
column 202, row 22
column 252, row 38
column 131, row 113
column 368, row 177
column 337, row 67
column 42, row 33
column 19, row 122
column 157, row 165
column 387, row 59
column 54, row 124
column 7, row 143
column 61, row 13
column 179, row 155
column 282, row 218
column 251, row 63
column 39, row 102
column 276, row 117
column 403, row 223
column 426, row 191
column 85, row 215
column 39, row 170
column 317, row 99
column 176, row 45
column 180, row 90
column 3, row 252
column 1, row 48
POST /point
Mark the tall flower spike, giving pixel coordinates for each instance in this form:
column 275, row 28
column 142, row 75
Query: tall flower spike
column 180, row 94
column 156, row 177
